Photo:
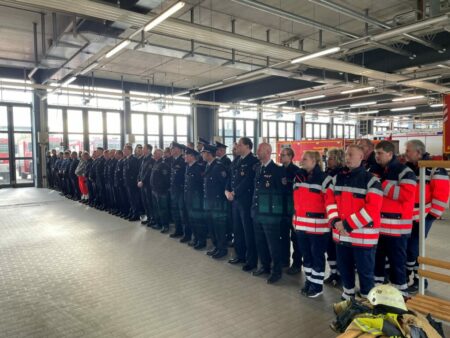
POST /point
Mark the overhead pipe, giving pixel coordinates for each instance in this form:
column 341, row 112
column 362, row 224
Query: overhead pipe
column 368, row 20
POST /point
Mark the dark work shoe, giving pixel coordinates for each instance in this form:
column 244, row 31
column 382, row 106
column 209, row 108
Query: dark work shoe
column 236, row 260
column 200, row 246
column 293, row 270
column 184, row 240
column 192, row 243
column 261, row 271
column 144, row 222
column 165, row 230
column 176, row 235
column 212, row 252
column 248, row 267
column 220, row 254
column 333, row 279
column 310, row 293
column 273, row 278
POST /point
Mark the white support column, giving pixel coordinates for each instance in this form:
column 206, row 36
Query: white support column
column 422, row 225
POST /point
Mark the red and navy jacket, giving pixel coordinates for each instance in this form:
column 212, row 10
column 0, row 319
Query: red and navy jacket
column 309, row 202
column 355, row 197
column 436, row 190
column 399, row 189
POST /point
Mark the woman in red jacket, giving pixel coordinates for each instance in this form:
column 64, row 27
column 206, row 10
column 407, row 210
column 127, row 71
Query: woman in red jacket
column 310, row 221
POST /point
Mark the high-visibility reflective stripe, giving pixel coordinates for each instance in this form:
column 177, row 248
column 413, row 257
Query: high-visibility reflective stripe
column 332, row 262
column 349, row 291
column 387, row 188
column 440, row 177
column 375, row 191
column 327, row 181
column 400, row 286
column 333, row 215
column 395, row 221
column 379, row 279
column 355, row 220
column 331, row 206
column 314, row 280
column 404, row 172
column 320, row 274
column 389, row 231
column 408, row 181
column 365, row 231
column 416, row 206
column 308, row 186
column 307, row 270
column 436, row 212
column 366, row 215
column 440, row 203
column 362, row 241
column 351, row 189
column 312, row 229
column 372, row 181
column 312, row 220
column 396, row 193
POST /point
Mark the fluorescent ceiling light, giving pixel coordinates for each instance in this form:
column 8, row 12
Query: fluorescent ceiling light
column 407, row 98
column 311, row 98
column 426, row 78
column 403, row 108
column 164, row 15
column 215, row 84
column 357, row 90
column 69, row 81
column 368, row 112
column 89, row 68
column 436, row 105
column 118, row 48
column 317, row 54
column 443, row 66
column 363, row 104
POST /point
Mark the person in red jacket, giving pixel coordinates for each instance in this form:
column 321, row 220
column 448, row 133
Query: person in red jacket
column 436, row 201
column 399, row 188
column 310, row 221
column 353, row 203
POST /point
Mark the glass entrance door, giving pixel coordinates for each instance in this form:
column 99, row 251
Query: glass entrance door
column 16, row 146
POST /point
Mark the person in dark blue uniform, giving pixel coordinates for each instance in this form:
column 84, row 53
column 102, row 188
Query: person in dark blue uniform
column 110, row 179
column 56, row 171
column 107, row 182
column 130, row 173
column 91, row 179
column 100, row 180
column 65, row 168
column 123, row 205
column 200, row 144
column 267, row 213
column 145, row 172
column 225, row 160
column 240, row 192
column 288, row 234
column 76, row 194
column 177, row 172
column 193, row 199
column 215, row 202
column 221, row 155
column 160, row 184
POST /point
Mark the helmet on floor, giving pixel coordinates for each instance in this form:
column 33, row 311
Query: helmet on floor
column 387, row 295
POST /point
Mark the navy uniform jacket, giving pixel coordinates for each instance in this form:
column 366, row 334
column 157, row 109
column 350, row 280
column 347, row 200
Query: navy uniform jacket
column 168, row 161
column 110, row 171
column 160, row 177
column 66, row 166
column 193, row 186
column 118, row 173
column 58, row 164
column 131, row 171
column 225, row 161
column 291, row 172
column 73, row 167
column 270, row 186
column 177, row 172
column 371, row 162
column 93, row 170
column 100, row 170
column 214, row 183
column 242, row 179
column 145, row 171
column 88, row 167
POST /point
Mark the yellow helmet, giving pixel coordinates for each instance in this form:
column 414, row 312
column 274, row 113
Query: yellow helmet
column 387, row 295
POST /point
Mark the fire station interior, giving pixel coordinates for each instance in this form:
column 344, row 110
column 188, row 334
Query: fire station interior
column 77, row 75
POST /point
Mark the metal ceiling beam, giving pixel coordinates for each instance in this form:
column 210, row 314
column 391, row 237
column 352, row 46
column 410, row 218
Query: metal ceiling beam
column 211, row 36
column 364, row 18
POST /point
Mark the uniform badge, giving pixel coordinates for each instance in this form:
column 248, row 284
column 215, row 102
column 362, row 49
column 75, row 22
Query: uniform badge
column 284, row 181
column 224, row 174
column 242, row 173
column 267, row 184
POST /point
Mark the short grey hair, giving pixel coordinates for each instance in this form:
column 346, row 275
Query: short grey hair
column 418, row 145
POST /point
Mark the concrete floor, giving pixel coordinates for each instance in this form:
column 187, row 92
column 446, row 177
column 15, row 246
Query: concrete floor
column 67, row 270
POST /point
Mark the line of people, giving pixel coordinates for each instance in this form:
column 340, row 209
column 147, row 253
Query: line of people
column 362, row 212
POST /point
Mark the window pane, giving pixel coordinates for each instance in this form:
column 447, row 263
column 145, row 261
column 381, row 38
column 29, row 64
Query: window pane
column 4, row 170
column 249, row 128
column 113, row 142
column 139, row 139
column 273, row 143
column 74, row 121
column 281, row 130
column 137, row 123
column 4, row 146
column 113, row 123
column 272, row 129
column 240, row 128
column 3, row 118
column 323, row 131
column 167, row 140
column 153, row 140
column 290, row 130
column 23, row 145
column 309, row 133
column 339, row 131
column 316, row 131
column 182, row 139
column 264, row 131
column 76, row 142
column 153, row 124
column 168, row 125
column 229, row 142
column 95, row 140
column 22, row 118
column 228, row 127
column 221, row 127
column 182, row 125
column 55, row 120
column 24, row 171
column 95, row 121
column 54, row 142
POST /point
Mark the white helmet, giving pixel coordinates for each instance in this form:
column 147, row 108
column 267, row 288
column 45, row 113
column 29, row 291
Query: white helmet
column 387, row 295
